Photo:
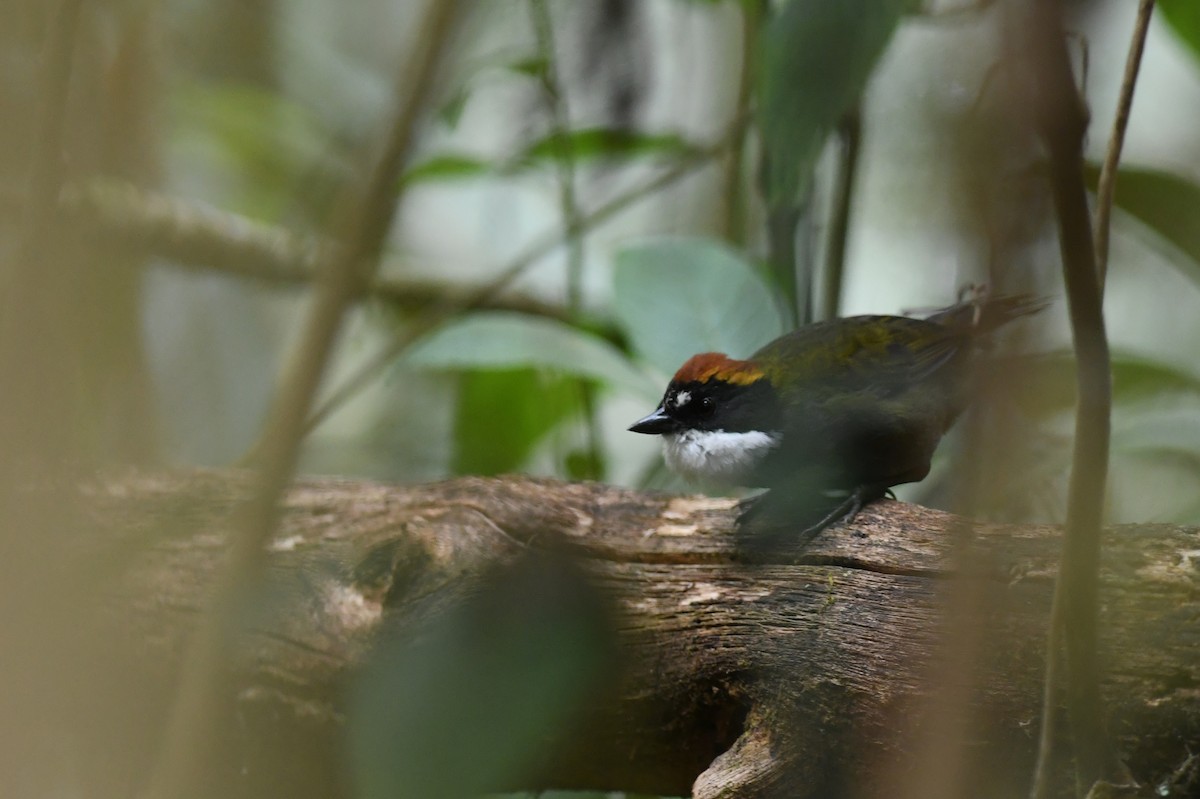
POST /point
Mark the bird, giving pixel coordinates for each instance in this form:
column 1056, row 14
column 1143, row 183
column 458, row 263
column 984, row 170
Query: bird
column 830, row 416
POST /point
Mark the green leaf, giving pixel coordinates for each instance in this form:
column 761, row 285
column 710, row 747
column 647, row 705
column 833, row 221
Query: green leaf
column 465, row 700
column 503, row 414
column 1047, row 380
column 445, row 167
column 257, row 141
column 507, row 340
column 1159, row 430
column 680, row 296
column 594, row 143
column 1183, row 17
column 1167, row 204
column 451, row 111
column 1137, row 378
column 816, row 58
column 531, row 66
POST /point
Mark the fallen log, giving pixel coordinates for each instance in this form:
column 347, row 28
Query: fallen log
column 810, row 675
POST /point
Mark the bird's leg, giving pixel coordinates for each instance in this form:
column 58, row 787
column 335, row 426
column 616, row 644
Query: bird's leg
column 767, row 522
column 847, row 509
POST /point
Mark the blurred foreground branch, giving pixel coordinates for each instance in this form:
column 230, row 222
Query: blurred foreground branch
column 795, row 678
column 363, row 218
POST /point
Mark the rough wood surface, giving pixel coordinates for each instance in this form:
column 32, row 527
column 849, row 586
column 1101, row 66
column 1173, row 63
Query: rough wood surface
column 801, row 677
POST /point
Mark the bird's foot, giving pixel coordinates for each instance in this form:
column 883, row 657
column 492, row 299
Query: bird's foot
column 766, row 523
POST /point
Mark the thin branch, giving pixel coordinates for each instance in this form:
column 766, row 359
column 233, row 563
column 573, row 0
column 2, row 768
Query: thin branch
column 564, row 152
column 1108, row 173
column 1061, row 120
column 564, row 160
column 436, row 316
column 363, row 224
column 733, row 201
column 1043, row 775
column 1043, row 770
column 850, row 139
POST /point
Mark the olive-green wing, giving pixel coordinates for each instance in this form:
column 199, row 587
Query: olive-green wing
column 882, row 354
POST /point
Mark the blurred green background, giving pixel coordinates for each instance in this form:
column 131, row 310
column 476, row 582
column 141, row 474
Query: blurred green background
column 264, row 107
column 601, row 190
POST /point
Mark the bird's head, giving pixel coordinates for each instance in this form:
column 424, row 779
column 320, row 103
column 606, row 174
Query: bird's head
column 718, row 418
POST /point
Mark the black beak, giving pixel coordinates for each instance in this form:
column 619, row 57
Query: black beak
column 655, row 424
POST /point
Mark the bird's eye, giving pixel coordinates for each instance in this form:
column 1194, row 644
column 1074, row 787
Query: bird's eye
column 707, row 404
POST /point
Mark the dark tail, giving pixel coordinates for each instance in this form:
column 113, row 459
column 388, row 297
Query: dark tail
column 982, row 314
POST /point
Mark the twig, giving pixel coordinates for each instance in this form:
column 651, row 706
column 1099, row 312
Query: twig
column 564, row 152
column 1061, row 120
column 363, row 224
column 733, row 216
column 1043, row 770
column 1043, row 775
column 1108, row 173
column 564, row 159
column 436, row 316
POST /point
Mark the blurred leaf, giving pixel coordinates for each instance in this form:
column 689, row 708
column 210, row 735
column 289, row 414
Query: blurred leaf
column 1183, row 17
column 504, row 340
column 532, row 66
column 256, row 140
column 680, row 296
column 503, row 414
column 1167, row 204
column 1137, row 378
column 1047, row 380
column 593, row 143
column 816, row 58
column 585, row 145
column 1159, row 430
column 451, row 111
column 467, row 701
column 584, row 464
column 445, row 167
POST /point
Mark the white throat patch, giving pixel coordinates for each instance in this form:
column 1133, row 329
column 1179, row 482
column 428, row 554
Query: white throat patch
column 716, row 456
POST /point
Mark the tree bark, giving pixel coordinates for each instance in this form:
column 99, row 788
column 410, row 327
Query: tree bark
column 806, row 675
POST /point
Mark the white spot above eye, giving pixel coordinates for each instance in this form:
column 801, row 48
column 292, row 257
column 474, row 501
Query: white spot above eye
column 716, row 456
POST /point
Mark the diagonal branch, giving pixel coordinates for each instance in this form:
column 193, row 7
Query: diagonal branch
column 366, row 216
column 1108, row 173
column 508, row 273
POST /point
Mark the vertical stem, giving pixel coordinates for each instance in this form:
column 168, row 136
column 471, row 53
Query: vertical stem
column 1108, row 173
column 45, row 172
column 572, row 220
column 1061, row 120
column 35, row 345
column 733, row 217
column 564, row 153
column 850, row 136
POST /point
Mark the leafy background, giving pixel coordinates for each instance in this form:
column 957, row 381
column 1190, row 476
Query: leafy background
column 600, row 164
column 611, row 100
